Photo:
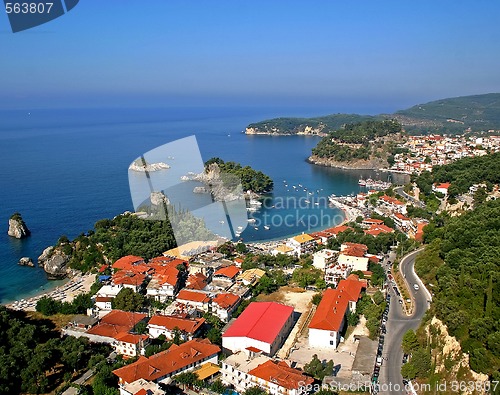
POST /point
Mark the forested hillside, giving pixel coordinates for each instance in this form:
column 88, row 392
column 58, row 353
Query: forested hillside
column 462, row 264
column 357, row 141
column 462, row 174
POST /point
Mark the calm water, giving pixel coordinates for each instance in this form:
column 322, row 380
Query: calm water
column 64, row 170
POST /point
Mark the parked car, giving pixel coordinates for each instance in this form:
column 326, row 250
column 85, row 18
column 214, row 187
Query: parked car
column 416, row 287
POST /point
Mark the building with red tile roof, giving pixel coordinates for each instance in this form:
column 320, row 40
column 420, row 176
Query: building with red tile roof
column 249, row 368
column 441, row 187
column 281, row 377
column 128, row 279
column 130, row 345
column 228, row 272
column 329, row 319
column 197, row 281
column 163, row 366
column 263, row 325
column 375, row 230
column 196, row 299
column 166, row 325
column 224, row 304
column 372, row 221
column 113, row 324
column 127, row 262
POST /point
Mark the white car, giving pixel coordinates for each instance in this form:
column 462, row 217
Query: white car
column 416, row 287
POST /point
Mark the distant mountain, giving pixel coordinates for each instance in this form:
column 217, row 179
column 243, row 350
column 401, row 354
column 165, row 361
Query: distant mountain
column 478, row 112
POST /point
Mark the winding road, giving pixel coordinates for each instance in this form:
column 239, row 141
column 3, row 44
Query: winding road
column 390, row 380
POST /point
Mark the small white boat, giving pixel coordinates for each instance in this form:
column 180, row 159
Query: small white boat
column 221, row 222
column 240, row 227
column 267, row 227
column 251, row 220
column 307, row 201
column 317, row 204
column 254, row 202
column 256, row 228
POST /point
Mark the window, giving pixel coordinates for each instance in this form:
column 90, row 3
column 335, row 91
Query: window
column 331, row 342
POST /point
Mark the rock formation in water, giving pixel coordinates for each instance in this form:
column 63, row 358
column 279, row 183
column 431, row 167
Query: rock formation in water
column 17, row 227
column 26, row 261
column 54, row 261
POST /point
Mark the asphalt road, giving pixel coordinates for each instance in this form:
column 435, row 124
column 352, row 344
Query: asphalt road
column 401, row 192
column 390, row 379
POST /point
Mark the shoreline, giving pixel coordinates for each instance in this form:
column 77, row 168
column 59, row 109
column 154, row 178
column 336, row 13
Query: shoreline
column 343, row 167
column 63, row 293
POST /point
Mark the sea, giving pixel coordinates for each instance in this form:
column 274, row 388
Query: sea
column 65, row 169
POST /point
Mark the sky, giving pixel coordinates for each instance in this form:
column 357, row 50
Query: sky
column 358, row 56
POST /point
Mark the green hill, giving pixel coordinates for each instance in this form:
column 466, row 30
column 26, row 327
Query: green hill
column 478, row 112
column 319, row 125
column 453, row 115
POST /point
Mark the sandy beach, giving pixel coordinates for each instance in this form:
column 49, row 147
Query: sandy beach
column 64, row 293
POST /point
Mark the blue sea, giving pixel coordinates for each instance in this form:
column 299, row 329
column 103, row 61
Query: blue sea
column 63, row 170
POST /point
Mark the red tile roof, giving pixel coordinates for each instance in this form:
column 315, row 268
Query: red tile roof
column 334, row 304
column 187, row 325
column 375, row 230
column 228, row 271
column 174, row 359
column 226, row 300
column 391, row 200
column 103, row 299
column 116, row 322
column 401, row 217
column 130, row 338
column 283, row 375
column 337, row 229
column 197, row 281
column 127, row 261
column 261, row 321
column 354, row 249
column 129, row 278
column 192, row 296
column 443, row 185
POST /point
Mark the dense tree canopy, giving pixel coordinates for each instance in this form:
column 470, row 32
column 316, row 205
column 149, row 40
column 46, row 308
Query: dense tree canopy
column 462, row 263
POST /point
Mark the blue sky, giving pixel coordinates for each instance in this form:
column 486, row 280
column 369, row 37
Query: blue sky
column 358, row 55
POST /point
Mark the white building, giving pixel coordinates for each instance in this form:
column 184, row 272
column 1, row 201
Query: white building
column 329, row 320
column 324, row 258
column 247, row 369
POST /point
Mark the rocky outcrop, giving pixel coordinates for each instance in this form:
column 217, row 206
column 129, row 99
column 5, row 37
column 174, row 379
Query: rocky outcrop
column 276, row 131
column 26, row 261
column 372, row 164
column 223, row 186
column 17, row 227
column 138, row 165
column 448, row 350
column 54, row 261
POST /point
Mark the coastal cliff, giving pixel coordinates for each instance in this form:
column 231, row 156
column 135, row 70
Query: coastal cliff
column 17, row 227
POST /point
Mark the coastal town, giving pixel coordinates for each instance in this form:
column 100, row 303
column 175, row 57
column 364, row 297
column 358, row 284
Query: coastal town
column 286, row 316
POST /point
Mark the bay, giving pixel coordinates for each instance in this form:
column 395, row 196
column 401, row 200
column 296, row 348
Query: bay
column 63, row 170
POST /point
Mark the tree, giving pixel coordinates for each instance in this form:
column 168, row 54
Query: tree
column 378, row 297
column 410, row 341
column 186, row 378
column 48, row 306
column 254, row 391
column 319, row 369
column 218, row 386
column 316, row 299
column 128, row 300
column 352, row 319
column 241, row 248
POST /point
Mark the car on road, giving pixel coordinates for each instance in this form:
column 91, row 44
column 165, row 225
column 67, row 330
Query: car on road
column 416, row 287
column 400, row 301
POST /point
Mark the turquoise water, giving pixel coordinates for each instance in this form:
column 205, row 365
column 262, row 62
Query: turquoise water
column 65, row 169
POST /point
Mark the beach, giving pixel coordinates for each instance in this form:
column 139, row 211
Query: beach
column 64, row 293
